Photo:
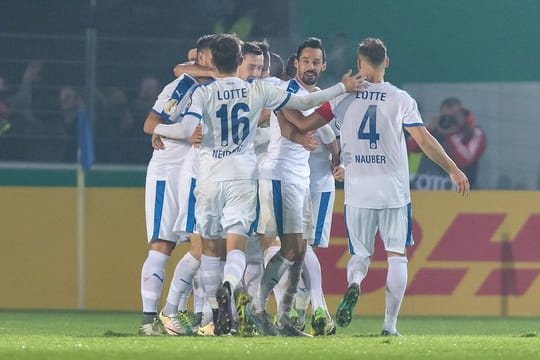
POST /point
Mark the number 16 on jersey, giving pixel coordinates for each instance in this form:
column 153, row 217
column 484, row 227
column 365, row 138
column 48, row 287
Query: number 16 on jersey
column 237, row 124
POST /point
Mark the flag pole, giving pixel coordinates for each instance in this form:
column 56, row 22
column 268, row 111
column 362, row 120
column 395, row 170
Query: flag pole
column 90, row 71
column 81, row 238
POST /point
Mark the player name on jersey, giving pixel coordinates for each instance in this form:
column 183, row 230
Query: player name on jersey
column 230, row 94
column 219, row 154
column 370, row 159
column 371, row 95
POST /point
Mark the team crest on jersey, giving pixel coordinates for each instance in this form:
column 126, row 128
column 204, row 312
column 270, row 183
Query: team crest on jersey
column 170, row 106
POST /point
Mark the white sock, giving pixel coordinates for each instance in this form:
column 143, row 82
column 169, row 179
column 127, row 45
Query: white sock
column 208, row 315
column 295, row 272
column 152, row 277
column 234, row 268
column 313, row 267
column 281, row 287
column 396, row 283
column 182, row 303
column 302, row 297
column 252, row 278
column 198, row 293
column 272, row 274
column 357, row 269
column 181, row 284
column 210, row 278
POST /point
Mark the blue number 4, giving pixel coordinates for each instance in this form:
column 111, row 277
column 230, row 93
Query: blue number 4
column 372, row 135
column 236, row 120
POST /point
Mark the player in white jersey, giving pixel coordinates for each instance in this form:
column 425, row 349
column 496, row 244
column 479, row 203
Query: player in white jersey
column 322, row 161
column 285, row 196
column 165, row 199
column 252, row 67
column 377, row 194
column 227, row 187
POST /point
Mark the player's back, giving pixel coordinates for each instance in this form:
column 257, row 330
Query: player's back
column 373, row 145
column 230, row 109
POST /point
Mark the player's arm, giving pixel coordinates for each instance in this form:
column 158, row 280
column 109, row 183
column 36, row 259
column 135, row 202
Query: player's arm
column 290, row 132
column 328, row 138
column 431, row 147
column 180, row 131
column 194, row 70
column 265, row 117
column 349, row 83
column 152, row 120
column 304, row 123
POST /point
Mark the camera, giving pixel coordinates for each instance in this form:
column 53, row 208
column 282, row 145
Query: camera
column 447, row 121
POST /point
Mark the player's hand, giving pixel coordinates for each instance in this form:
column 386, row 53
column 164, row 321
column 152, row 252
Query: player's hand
column 354, row 82
column 157, row 142
column 307, row 140
column 461, row 182
column 196, row 137
column 339, row 173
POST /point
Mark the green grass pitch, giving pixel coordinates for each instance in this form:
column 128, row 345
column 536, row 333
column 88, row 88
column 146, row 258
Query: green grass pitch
column 110, row 335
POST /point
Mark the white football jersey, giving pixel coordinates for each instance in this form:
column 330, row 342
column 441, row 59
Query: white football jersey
column 230, row 109
column 170, row 105
column 286, row 160
column 373, row 144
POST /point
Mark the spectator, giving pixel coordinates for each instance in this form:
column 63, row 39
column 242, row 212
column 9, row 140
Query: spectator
column 118, row 136
column 70, row 101
column 455, row 128
column 26, row 136
column 149, row 89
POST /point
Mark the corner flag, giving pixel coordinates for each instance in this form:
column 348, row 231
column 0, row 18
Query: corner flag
column 84, row 140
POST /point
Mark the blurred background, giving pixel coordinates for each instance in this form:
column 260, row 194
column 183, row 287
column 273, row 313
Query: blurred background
column 112, row 58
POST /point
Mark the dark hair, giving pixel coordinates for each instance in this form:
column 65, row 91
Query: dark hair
column 451, row 101
column 226, row 53
column 373, row 50
column 290, row 69
column 252, row 48
column 313, row 43
column 204, row 41
column 277, row 68
column 264, row 45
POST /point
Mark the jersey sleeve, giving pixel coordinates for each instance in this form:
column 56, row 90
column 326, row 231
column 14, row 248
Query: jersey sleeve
column 191, row 118
column 168, row 103
column 274, row 98
column 411, row 116
column 195, row 107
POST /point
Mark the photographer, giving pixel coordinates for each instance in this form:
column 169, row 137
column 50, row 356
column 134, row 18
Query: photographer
column 455, row 128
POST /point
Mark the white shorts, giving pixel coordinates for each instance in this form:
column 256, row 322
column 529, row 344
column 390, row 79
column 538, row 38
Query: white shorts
column 185, row 221
column 323, row 209
column 285, row 209
column 394, row 225
column 226, row 207
column 161, row 201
